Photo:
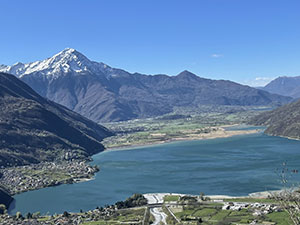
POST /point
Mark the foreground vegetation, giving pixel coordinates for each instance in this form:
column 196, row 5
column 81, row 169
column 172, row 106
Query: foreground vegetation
column 180, row 210
column 250, row 211
column 131, row 211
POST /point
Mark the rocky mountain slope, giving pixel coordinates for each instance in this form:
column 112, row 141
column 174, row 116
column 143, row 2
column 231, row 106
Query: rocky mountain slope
column 287, row 86
column 34, row 129
column 283, row 121
column 102, row 93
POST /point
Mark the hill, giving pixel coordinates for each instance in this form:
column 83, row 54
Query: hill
column 34, row 129
column 287, row 86
column 283, row 121
column 102, row 94
column 5, row 198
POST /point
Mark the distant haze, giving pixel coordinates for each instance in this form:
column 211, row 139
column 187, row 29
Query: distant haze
column 287, row 86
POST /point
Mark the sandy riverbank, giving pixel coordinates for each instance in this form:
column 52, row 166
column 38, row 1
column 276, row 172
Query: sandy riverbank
column 219, row 132
column 80, row 180
column 154, row 198
column 262, row 194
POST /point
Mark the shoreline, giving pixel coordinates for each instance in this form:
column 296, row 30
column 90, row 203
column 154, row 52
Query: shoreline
column 80, row 180
column 221, row 133
column 17, row 180
column 258, row 195
column 74, row 181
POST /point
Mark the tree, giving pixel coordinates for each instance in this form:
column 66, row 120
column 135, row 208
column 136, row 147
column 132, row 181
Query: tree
column 66, row 214
column 29, row 216
column 2, row 209
column 36, row 215
column 289, row 196
column 19, row 215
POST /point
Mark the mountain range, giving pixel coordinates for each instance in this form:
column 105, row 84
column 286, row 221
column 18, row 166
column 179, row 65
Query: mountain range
column 34, row 129
column 102, row 93
column 287, row 86
column 283, row 121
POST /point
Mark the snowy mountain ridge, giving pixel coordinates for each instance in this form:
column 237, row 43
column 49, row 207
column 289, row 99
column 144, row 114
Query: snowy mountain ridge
column 67, row 61
column 105, row 94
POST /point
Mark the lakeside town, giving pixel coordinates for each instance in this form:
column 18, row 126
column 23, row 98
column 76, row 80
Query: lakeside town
column 45, row 174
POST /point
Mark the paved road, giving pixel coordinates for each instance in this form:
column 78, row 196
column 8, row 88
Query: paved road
column 159, row 215
column 155, row 198
column 157, row 212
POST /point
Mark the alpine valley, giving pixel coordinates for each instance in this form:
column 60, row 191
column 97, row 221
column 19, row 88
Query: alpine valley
column 43, row 143
column 150, row 112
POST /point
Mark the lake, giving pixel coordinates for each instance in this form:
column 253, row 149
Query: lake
column 235, row 166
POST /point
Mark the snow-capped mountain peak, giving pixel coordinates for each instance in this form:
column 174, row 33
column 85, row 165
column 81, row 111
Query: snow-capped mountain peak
column 67, row 61
column 69, row 56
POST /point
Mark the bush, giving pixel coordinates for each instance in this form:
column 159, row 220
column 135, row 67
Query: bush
column 66, row 214
column 2, row 209
column 19, row 215
column 133, row 201
column 36, row 215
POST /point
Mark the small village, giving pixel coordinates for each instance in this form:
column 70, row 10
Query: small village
column 35, row 176
column 258, row 208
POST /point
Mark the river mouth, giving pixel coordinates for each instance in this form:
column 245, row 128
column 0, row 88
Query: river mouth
column 233, row 166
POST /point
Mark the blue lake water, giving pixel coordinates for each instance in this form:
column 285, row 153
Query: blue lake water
column 231, row 166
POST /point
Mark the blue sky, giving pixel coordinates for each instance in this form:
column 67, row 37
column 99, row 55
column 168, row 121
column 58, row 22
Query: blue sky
column 248, row 41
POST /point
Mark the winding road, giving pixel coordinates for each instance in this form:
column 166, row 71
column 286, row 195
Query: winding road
column 157, row 200
column 159, row 215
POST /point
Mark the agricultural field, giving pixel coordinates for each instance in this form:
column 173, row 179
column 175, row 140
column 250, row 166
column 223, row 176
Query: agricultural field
column 175, row 127
column 128, row 216
column 253, row 211
column 178, row 210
